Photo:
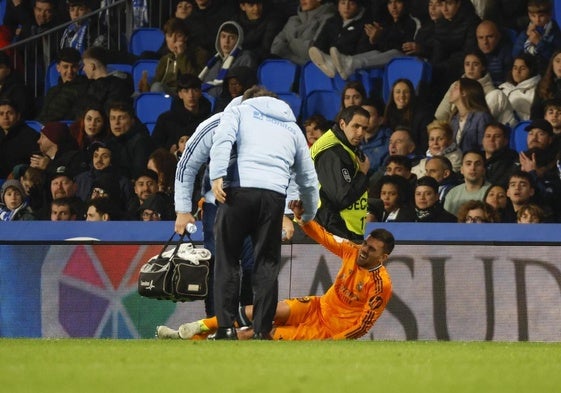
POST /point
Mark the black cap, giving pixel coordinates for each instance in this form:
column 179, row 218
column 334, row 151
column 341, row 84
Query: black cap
column 542, row 124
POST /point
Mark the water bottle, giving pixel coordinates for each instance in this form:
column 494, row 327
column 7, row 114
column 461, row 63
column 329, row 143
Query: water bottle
column 283, row 234
column 191, row 228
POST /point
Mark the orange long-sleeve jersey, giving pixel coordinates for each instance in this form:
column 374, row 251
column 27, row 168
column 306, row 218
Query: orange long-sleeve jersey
column 358, row 296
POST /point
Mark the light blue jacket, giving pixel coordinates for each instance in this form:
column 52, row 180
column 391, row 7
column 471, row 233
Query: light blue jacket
column 269, row 146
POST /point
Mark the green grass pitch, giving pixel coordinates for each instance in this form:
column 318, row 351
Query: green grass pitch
column 95, row 365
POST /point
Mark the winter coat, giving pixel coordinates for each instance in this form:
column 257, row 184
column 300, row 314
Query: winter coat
column 521, row 96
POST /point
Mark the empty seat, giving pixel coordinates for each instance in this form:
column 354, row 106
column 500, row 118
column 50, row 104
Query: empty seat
column 145, row 39
column 148, row 106
column 277, row 75
column 119, row 67
column 323, row 102
column 293, row 100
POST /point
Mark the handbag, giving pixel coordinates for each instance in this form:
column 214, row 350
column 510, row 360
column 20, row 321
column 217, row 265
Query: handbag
column 180, row 274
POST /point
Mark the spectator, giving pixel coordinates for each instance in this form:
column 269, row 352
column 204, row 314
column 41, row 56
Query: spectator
column 342, row 167
column 401, row 165
column 501, row 161
column 13, row 204
column 105, row 86
column 183, row 57
column 392, row 201
column 145, row 184
column 14, row 89
column 229, row 53
column 376, row 141
column 81, row 33
column 549, row 86
column 553, row 115
column 423, row 42
column 454, row 35
column 259, row 26
column 497, row 49
column 520, row 191
column 496, row 197
column 108, row 185
column 57, row 149
column 345, row 31
column 62, row 101
column 428, row 207
column 520, row 86
column 440, row 169
column 474, row 186
column 157, row 207
column 293, row 41
column 441, row 143
column 386, row 38
column 129, row 140
column 314, row 127
column 542, row 37
column 529, row 213
column 475, row 66
column 238, row 79
column 184, row 116
column 62, row 209
column 205, row 20
column 477, row 212
column 353, row 94
column 101, row 209
column 405, row 109
column 470, row 115
column 183, row 9
column 91, row 126
column 17, row 140
column 164, row 164
column 101, row 164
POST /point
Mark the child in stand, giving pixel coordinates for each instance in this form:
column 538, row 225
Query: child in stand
column 13, row 204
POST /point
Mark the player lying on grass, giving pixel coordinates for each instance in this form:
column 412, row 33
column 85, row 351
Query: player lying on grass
column 347, row 310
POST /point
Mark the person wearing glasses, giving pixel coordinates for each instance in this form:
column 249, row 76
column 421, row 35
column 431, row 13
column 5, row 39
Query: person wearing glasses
column 477, row 212
column 157, row 207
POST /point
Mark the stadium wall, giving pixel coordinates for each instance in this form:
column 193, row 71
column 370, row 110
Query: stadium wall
column 495, row 282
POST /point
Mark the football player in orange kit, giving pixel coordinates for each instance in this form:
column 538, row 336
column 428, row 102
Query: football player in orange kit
column 348, row 309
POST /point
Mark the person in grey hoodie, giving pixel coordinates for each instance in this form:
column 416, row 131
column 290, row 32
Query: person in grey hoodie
column 300, row 30
column 229, row 53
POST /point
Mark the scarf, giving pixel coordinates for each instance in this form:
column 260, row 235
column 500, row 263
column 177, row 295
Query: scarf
column 223, row 71
column 446, row 150
column 545, row 32
column 75, row 37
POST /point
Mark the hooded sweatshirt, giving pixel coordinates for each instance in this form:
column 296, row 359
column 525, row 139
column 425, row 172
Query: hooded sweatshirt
column 217, row 67
column 269, row 146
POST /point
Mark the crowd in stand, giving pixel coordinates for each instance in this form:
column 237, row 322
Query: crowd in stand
column 440, row 153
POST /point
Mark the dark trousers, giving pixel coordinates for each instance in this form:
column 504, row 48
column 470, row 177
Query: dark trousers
column 256, row 213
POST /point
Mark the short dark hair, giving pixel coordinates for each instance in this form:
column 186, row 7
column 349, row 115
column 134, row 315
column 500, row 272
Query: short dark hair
column 121, row 106
column 375, row 102
column 474, row 151
column 9, row 102
column 97, row 53
column 175, row 25
column 104, row 206
column 188, row 81
column 500, row 126
column 400, row 160
column 385, row 237
column 229, row 27
column 349, row 112
column 69, row 55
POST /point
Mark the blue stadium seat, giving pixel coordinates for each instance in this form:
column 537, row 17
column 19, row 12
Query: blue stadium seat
column 36, row 125
column 148, row 65
column 312, row 79
column 323, row 102
column 148, row 106
column 372, row 80
column 119, row 67
column 51, row 76
column 277, row 75
column 294, row 101
column 211, row 99
column 519, row 136
column 146, row 39
column 413, row 68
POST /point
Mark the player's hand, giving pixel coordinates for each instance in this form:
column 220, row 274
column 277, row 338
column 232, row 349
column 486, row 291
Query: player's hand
column 218, row 191
column 181, row 222
column 297, row 208
column 288, row 228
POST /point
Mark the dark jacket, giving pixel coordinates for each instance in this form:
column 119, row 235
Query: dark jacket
column 348, row 39
column 500, row 166
column 435, row 213
column 204, row 24
column 161, row 203
column 247, row 78
column 15, row 90
column 422, row 116
column 259, row 34
column 538, row 105
column 16, row 147
column 394, row 34
column 131, row 150
column 178, row 121
column 85, row 183
column 117, row 86
column 62, row 101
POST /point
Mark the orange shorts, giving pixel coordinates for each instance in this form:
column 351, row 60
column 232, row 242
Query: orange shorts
column 304, row 321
